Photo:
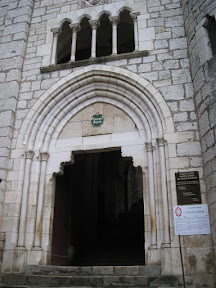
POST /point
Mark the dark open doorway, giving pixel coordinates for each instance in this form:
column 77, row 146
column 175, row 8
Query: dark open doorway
column 99, row 217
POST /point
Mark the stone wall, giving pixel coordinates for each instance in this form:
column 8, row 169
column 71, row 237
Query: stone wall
column 203, row 71
column 15, row 17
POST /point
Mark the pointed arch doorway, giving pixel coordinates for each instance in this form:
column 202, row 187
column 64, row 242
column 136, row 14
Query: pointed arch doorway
column 49, row 137
column 99, row 215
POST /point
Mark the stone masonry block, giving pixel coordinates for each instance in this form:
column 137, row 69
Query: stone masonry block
column 204, row 123
column 179, row 43
column 181, row 76
column 187, row 105
column 161, row 44
column 12, row 49
column 7, row 118
column 175, row 21
column 174, row 92
column 189, row 149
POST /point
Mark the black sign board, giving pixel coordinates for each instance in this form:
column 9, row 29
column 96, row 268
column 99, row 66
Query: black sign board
column 188, row 188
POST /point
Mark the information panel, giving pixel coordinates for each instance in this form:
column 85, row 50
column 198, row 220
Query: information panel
column 188, row 188
column 191, row 219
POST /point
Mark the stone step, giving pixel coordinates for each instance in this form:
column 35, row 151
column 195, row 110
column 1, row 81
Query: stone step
column 27, row 286
column 89, row 281
column 94, row 270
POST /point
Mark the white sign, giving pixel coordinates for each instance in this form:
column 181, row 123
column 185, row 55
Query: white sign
column 191, row 219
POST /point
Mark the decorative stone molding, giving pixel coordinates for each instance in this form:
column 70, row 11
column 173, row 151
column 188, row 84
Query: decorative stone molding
column 90, row 3
column 56, row 31
column 26, row 181
column 164, row 191
column 44, row 159
column 114, row 20
column 94, row 24
column 149, row 148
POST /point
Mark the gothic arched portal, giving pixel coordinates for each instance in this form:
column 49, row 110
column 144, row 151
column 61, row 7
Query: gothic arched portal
column 49, row 139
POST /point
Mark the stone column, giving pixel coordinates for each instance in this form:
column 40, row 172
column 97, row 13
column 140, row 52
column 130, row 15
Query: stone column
column 166, row 238
column 37, row 240
column 22, row 224
column 136, row 40
column 75, row 28
column 114, row 21
column 152, row 195
column 94, row 25
column 56, row 32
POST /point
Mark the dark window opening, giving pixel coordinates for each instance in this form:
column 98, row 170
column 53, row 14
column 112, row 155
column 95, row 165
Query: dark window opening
column 64, row 44
column 212, row 33
column 125, row 33
column 83, row 47
column 104, row 37
column 99, row 214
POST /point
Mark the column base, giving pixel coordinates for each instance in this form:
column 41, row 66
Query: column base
column 153, row 247
column 166, row 261
column 19, row 259
column 35, row 256
column 153, row 256
column 35, row 248
column 165, row 245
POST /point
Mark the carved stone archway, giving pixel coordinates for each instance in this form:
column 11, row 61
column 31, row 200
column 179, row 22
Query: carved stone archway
column 44, row 153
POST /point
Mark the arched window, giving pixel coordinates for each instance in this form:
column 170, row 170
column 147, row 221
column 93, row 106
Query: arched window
column 64, row 44
column 125, row 33
column 104, row 37
column 211, row 27
column 83, row 50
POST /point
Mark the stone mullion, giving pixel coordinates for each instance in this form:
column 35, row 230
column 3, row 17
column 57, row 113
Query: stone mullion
column 114, row 21
column 166, row 236
column 94, row 26
column 23, row 212
column 56, row 32
column 136, row 39
column 37, row 239
column 152, row 194
column 75, row 28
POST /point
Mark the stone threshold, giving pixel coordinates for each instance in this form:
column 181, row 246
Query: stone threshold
column 91, row 61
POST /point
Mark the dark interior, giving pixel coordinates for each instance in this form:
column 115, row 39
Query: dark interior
column 64, row 44
column 104, row 36
column 212, row 33
column 125, row 32
column 83, row 45
column 99, row 217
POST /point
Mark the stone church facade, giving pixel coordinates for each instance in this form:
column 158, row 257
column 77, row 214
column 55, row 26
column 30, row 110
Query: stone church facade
column 112, row 98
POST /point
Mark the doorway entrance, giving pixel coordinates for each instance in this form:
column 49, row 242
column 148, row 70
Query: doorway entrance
column 99, row 214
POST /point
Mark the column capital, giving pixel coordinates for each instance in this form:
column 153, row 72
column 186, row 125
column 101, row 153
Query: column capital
column 56, row 31
column 149, row 146
column 44, row 156
column 161, row 142
column 74, row 27
column 134, row 16
column 94, row 24
column 114, row 20
column 29, row 154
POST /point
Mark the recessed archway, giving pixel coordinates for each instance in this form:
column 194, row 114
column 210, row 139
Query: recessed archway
column 99, row 214
column 44, row 151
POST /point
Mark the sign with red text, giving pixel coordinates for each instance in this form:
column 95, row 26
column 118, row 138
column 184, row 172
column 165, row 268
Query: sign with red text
column 191, row 219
